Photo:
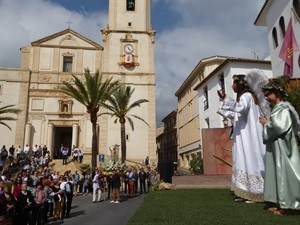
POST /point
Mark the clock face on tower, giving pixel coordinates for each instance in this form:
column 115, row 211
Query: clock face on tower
column 128, row 48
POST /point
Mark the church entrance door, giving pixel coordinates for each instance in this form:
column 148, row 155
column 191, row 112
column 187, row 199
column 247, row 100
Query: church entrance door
column 63, row 136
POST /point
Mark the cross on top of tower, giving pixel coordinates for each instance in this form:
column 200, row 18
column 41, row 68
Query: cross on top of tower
column 69, row 24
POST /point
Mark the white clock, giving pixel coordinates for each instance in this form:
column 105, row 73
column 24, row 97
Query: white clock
column 128, row 48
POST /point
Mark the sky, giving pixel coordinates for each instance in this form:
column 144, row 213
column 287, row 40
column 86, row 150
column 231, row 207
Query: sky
column 186, row 32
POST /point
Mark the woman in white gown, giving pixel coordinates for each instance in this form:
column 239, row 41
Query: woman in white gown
column 248, row 150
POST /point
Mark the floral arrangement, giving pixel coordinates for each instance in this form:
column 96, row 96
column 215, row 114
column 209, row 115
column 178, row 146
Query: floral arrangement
column 161, row 185
column 109, row 168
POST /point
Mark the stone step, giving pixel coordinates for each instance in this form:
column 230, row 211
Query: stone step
column 58, row 166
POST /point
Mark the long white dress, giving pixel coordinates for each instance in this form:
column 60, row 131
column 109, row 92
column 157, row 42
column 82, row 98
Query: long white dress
column 248, row 151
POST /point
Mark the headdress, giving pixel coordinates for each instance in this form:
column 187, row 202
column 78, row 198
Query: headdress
column 274, row 85
column 240, row 79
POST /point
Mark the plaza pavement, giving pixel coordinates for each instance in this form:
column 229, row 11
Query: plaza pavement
column 84, row 212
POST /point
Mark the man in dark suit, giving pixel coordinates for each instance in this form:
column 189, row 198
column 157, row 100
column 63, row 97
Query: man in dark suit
column 142, row 179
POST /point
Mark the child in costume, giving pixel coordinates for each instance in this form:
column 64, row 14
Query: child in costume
column 282, row 175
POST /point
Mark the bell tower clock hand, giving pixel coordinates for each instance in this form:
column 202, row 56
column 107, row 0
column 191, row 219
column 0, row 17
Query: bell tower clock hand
column 128, row 48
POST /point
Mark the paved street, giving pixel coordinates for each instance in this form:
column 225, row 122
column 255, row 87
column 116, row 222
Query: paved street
column 84, row 212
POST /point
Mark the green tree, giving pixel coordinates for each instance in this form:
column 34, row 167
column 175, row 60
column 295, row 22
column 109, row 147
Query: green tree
column 196, row 164
column 119, row 106
column 9, row 109
column 92, row 93
column 293, row 93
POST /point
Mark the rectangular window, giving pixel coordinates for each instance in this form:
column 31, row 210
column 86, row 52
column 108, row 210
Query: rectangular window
column 207, row 122
column 130, row 5
column 205, row 95
column 222, row 82
column 68, row 62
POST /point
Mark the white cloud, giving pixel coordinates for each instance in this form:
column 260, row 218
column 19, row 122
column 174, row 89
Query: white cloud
column 195, row 29
column 205, row 28
column 22, row 22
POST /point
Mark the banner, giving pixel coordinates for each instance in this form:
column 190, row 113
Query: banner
column 288, row 47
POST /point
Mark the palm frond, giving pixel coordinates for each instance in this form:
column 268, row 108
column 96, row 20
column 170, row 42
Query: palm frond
column 8, row 109
column 4, row 124
column 137, row 103
column 228, row 150
column 116, row 120
column 130, row 122
column 9, row 118
column 223, row 161
column 76, row 91
column 139, row 118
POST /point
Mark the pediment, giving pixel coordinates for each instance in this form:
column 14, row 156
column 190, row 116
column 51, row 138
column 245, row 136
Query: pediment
column 67, row 39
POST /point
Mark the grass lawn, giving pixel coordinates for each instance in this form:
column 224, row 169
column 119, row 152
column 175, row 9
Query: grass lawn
column 203, row 207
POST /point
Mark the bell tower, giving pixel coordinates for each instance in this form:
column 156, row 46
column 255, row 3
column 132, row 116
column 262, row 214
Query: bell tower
column 128, row 56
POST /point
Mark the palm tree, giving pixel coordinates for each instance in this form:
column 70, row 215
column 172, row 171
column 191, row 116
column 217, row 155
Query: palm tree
column 8, row 110
column 119, row 106
column 92, row 93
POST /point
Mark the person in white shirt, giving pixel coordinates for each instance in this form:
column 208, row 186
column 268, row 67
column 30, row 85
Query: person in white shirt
column 34, row 149
column 19, row 151
column 96, row 187
column 26, row 149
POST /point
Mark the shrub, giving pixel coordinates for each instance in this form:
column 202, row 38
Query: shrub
column 196, row 164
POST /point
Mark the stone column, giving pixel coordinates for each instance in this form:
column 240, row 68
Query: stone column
column 74, row 134
column 27, row 134
column 50, row 139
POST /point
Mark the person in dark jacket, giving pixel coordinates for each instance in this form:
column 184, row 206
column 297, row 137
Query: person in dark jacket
column 116, row 184
column 25, row 201
column 69, row 195
column 109, row 188
column 142, row 179
column 7, row 207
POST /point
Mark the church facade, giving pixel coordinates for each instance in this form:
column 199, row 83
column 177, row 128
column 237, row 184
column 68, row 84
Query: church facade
column 51, row 118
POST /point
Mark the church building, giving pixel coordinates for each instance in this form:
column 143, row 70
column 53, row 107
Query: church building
column 51, row 118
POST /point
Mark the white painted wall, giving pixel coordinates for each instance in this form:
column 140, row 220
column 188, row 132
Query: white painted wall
column 215, row 120
column 273, row 14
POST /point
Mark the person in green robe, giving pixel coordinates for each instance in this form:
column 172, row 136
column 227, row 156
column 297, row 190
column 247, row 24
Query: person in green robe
column 282, row 172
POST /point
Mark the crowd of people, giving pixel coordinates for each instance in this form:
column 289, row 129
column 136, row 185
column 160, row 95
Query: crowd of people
column 132, row 181
column 265, row 154
column 25, row 159
column 34, row 193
